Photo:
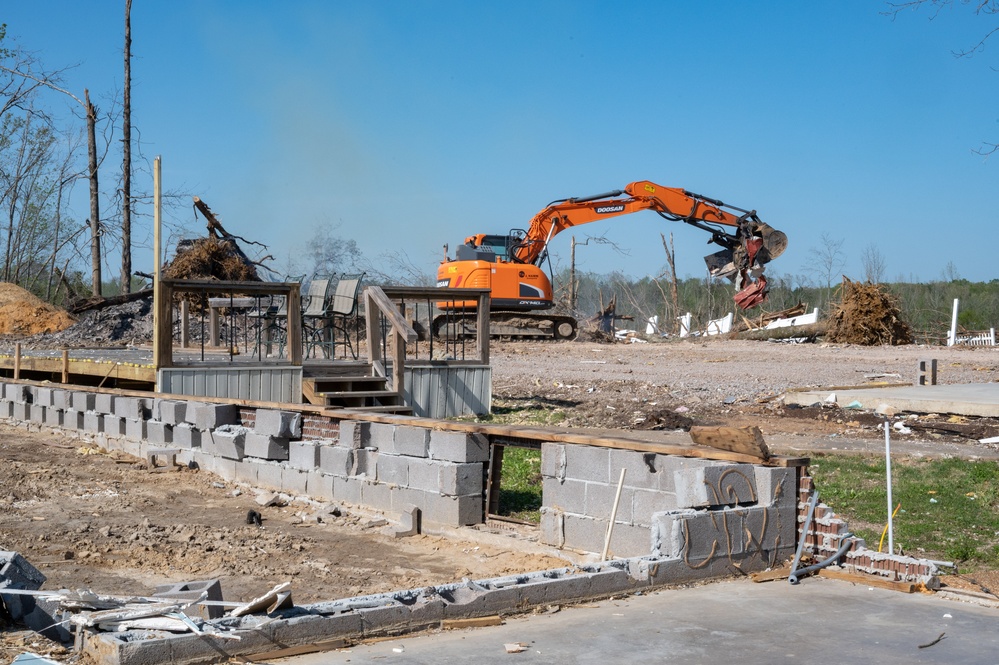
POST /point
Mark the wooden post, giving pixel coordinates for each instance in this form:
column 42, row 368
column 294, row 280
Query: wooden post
column 372, row 330
column 163, row 328
column 214, row 334
column 295, row 325
column 398, row 362
column 65, row 365
column 184, row 323
column 157, row 259
column 17, row 360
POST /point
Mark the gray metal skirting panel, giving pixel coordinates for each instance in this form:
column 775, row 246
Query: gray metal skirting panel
column 446, row 392
column 265, row 384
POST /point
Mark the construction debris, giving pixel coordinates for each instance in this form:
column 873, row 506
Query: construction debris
column 868, row 315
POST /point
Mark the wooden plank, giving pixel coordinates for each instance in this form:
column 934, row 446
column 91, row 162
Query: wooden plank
column 770, row 575
column 744, row 440
column 474, row 622
column 869, row 580
column 315, row 647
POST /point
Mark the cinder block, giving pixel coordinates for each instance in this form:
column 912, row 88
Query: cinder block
column 671, row 464
column 36, row 414
column 411, row 441
column 424, row 475
column 380, row 436
column 17, row 392
column 53, row 417
column 584, row 533
column 568, row 496
column 6, row 408
column 646, row 503
column 365, row 463
column 336, row 460
column 458, row 479
column 225, row 469
column 453, row 510
column 211, row 416
column 93, row 422
column 355, row 434
column 393, row 469
column 227, row 443
column 303, row 454
column 294, row 481
column 642, row 470
column 279, row 424
column 376, row 495
column 135, row 430
column 269, row 475
column 600, row 502
column 553, row 460
column 319, row 485
column 405, row 497
column 104, row 403
column 114, row 426
column 186, row 436
column 552, row 527
column 347, row 489
column 82, row 401
column 61, row 399
column 266, row 447
column 458, row 446
column 775, row 485
column 41, row 396
column 193, row 591
column 588, row 463
column 131, row 408
column 170, row 411
column 248, row 471
column 716, row 485
column 72, row 420
column 629, row 540
column 21, row 411
column 38, row 614
column 158, row 432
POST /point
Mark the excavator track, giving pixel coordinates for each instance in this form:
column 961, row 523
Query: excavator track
column 507, row 326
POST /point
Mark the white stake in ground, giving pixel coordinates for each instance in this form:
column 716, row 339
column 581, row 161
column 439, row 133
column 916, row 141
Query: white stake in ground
column 891, row 543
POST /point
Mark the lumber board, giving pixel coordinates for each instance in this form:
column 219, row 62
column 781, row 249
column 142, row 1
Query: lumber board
column 743, row 440
column 474, row 622
column 869, row 580
column 781, row 573
column 315, row 647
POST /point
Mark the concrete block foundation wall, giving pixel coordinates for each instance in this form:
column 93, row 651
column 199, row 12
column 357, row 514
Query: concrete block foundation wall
column 706, row 513
column 825, row 536
column 386, row 467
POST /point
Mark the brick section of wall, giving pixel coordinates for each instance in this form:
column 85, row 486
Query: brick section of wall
column 825, row 536
column 315, row 426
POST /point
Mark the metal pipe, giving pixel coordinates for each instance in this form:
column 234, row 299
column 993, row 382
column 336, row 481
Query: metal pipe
column 891, row 542
column 804, row 530
column 844, row 545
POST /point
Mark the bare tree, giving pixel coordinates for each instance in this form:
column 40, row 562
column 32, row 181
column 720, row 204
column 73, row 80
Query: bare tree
column 674, row 295
column 827, row 262
column 873, row 262
column 126, row 160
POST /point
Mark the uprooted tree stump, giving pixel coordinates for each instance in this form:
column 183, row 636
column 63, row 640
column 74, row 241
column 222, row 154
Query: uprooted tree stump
column 867, row 315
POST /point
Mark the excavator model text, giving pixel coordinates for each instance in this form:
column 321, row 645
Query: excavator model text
column 510, row 265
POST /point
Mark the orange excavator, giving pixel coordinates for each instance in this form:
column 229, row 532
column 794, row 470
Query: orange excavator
column 510, row 266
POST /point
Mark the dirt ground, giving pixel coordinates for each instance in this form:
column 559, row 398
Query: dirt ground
column 710, row 381
column 92, row 520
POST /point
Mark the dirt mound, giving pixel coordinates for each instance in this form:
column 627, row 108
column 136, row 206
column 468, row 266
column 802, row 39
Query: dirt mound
column 22, row 313
column 868, row 315
column 210, row 258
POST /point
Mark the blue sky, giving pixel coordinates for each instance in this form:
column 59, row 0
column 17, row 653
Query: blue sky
column 414, row 124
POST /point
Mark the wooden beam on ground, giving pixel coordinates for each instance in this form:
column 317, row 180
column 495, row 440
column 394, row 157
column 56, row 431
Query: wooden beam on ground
column 781, row 573
column 869, row 580
column 742, row 440
column 473, row 622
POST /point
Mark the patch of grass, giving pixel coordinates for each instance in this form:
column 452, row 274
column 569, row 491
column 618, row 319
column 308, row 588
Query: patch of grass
column 520, row 484
column 540, row 412
column 948, row 507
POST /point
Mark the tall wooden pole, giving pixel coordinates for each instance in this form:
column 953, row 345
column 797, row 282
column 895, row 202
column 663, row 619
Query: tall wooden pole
column 126, row 166
column 157, row 256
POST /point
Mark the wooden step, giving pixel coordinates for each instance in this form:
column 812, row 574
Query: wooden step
column 398, row 409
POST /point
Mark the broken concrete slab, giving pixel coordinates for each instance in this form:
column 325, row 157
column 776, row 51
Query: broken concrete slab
column 969, row 399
